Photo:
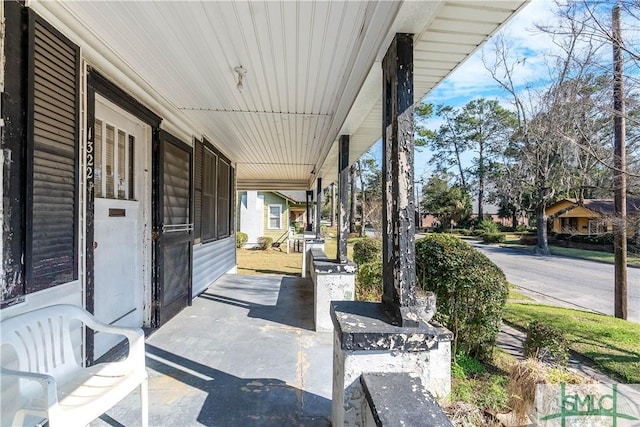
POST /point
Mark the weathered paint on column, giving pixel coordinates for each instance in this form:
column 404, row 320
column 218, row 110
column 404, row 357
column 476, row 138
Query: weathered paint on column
column 318, row 205
column 343, row 182
column 309, row 201
column 398, row 220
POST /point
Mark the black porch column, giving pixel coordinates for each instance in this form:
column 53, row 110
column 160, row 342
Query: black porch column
column 398, row 209
column 343, row 182
column 309, row 227
column 318, row 205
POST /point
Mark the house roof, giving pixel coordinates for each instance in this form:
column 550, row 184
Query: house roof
column 604, row 206
column 313, row 69
column 294, row 196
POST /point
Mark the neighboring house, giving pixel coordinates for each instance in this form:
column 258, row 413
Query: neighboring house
column 269, row 213
column 588, row 216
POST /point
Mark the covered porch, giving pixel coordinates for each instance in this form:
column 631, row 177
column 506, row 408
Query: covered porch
column 245, row 353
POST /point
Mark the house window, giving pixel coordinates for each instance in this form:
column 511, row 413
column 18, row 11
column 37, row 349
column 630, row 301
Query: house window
column 213, row 180
column 275, row 216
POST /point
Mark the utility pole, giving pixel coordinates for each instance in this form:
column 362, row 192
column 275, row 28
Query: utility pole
column 619, row 173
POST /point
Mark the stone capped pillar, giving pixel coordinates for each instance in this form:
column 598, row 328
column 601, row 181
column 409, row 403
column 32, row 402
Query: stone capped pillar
column 366, row 342
column 393, row 336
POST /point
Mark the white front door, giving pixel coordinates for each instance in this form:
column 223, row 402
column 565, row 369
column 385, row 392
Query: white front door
column 121, row 220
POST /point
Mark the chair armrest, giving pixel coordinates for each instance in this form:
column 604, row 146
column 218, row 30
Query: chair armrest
column 134, row 335
column 47, row 382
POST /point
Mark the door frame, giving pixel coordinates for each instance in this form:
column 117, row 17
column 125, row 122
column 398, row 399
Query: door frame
column 99, row 84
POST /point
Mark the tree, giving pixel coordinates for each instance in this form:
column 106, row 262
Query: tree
column 422, row 112
column 450, row 204
column 485, row 127
column 447, row 144
column 550, row 116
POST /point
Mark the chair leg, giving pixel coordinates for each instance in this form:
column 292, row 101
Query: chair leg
column 144, row 402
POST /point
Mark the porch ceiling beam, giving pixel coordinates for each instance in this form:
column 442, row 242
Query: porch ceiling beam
column 276, row 185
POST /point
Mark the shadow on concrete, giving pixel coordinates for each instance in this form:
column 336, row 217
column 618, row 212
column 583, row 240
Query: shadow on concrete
column 231, row 401
column 294, row 305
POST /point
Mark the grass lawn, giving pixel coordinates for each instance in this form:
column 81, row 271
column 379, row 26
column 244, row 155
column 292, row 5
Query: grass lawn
column 632, row 260
column 514, row 294
column 613, row 344
column 270, row 261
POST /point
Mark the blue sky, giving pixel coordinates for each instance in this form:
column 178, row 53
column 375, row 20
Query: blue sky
column 471, row 80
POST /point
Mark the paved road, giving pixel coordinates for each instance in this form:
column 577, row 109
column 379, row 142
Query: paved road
column 565, row 281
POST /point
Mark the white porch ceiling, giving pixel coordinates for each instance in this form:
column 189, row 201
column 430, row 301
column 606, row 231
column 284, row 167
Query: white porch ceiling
column 313, row 68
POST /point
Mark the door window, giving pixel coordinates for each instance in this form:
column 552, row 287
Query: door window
column 114, row 169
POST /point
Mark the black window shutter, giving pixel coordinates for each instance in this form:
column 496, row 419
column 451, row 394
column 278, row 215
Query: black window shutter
column 197, row 188
column 224, row 207
column 52, row 158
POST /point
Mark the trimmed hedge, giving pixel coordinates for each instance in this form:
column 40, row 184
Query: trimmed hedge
column 367, row 250
column 241, row 239
column 493, row 237
column 369, row 281
column 471, row 291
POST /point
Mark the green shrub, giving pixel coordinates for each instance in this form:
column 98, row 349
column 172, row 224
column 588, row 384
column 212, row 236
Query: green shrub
column 471, row 291
column 264, row 242
column 546, row 342
column 241, row 239
column 488, row 226
column 367, row 250
column 521, row 228
column 493, row 237
column 297, row 227
column 369, row 281
column 468, row 364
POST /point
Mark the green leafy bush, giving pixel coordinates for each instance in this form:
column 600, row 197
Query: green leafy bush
column 241, row 239
column 493, row 237
column 546, row 342
column 471, row 291
column 521, row 228
column 264, row 242
column 367, row 250
column 488, row 226
column 369, row 281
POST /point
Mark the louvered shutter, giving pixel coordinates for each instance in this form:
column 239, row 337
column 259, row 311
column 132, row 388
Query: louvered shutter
column 224, row 199
column 197, row 185
column 52, row 182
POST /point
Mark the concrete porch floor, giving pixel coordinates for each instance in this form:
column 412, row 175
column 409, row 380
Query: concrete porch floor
column 244, row 354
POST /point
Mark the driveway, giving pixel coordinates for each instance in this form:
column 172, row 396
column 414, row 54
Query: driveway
column 566, row 282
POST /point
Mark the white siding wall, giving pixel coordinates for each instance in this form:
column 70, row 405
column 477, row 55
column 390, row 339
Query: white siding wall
column 212, row 260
